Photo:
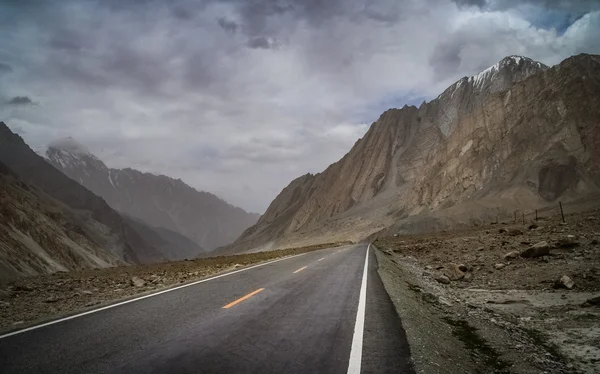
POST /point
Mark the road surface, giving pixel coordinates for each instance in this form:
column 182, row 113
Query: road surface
column 297, row 315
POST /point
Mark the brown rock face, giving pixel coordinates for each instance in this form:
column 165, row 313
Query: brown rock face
column 518, row 135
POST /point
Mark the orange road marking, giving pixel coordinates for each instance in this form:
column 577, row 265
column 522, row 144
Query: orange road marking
column 242, row 298
column 299, row 270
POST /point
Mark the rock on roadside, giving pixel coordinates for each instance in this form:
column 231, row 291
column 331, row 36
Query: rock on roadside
column 564, row 282
column 137, row 282
column 537, row 250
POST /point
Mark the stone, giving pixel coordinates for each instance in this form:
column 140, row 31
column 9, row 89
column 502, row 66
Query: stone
column 453, row 272
column 442, row 279
column 515, row 232
column 533, row 226
column 501, row 231
column 468, row 277
column 537, row 250
column 444, row 301
column 499, row 266
column 568, row 241
column 86, row 292
column 51, row 299
column 463, row 268
column 428, row 267
column 137, row 282
column 480, row 249
column 594, row 242
column 511, row 255
column 594, row 301
column 564, row 282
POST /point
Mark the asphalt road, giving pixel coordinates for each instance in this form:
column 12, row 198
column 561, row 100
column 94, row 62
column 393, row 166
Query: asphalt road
column 297, row 315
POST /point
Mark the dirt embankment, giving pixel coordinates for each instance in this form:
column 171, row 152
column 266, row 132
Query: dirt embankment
column 35, row 299
column 505, row 298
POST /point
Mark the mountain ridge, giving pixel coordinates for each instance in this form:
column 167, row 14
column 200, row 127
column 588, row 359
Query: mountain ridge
column 503, row 138
column 158, row 200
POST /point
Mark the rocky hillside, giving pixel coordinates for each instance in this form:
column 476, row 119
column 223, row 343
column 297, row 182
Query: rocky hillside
column 518, row 135
column 41, row 235
column 156, row 199
column 34, row 170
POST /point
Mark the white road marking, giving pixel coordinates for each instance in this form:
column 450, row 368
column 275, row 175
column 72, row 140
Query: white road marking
column 359, row 326
column 140, row 298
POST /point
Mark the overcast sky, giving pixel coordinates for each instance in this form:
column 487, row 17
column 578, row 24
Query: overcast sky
column 239, row 97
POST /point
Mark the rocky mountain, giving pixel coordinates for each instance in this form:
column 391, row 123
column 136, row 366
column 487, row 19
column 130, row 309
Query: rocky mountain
column 128, row 245
column 517, row 136
column 158, row 200
column 41, row 235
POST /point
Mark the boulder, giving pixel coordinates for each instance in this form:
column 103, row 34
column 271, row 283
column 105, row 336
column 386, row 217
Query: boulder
column 453, row 272
column 568, row 241
column 533, row 226
column 564, row 282
column 537, row 250
column 499, row 266
column 468, row 277
column 594, row 242
column 137, row 282
column 594, row 301
column 462, row 267
column 515, row 232
column 442, row 279
column 511, row 255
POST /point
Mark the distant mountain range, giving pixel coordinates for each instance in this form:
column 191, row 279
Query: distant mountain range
column 51, row 223
column 517, row 136
column 154, row 199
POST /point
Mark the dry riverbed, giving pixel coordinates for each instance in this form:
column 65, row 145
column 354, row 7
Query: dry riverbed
column 35, row 299
column 506, row 298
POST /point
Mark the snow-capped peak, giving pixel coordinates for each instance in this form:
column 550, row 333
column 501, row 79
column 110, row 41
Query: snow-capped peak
column 69, row 145
column 525, row 65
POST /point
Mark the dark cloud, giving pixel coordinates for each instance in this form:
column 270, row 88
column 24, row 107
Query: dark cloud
column 5, row 68
column 261, row 42
column 479, row 3
column 227, row 25
column 20, row 100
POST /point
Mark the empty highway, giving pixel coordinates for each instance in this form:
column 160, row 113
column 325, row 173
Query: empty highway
column 320, row 312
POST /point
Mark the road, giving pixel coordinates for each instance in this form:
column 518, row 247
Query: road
column 296, row 315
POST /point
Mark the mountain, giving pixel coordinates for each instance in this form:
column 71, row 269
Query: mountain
column 158, row 200
column 34, row 170
column 172, row 245
column 41, row 235
column 517, row 136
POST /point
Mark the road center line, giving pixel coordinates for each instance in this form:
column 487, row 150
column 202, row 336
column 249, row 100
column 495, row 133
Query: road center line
column 242, row 298
column 299, row 270
column 144, row 297
column 321, row 259
column 357, row 340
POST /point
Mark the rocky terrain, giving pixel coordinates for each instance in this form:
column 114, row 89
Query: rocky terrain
column 41, row 235
column 519, row 135
column 31, row 300
column 506, row 297
column 34, row 170
column 157, row 200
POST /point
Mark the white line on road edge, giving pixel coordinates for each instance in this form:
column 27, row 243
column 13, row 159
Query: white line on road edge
column 140, row 298
column 359, row 326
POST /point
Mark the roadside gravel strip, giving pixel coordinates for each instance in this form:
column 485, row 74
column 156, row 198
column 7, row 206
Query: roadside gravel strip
column 35, row 300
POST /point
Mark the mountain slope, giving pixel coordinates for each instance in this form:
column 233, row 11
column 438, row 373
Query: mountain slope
column 33, row 169
column 518, row 135
column 156, row 199
column 41, row 235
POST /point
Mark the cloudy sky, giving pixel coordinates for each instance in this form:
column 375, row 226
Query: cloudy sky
column 239, row 97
